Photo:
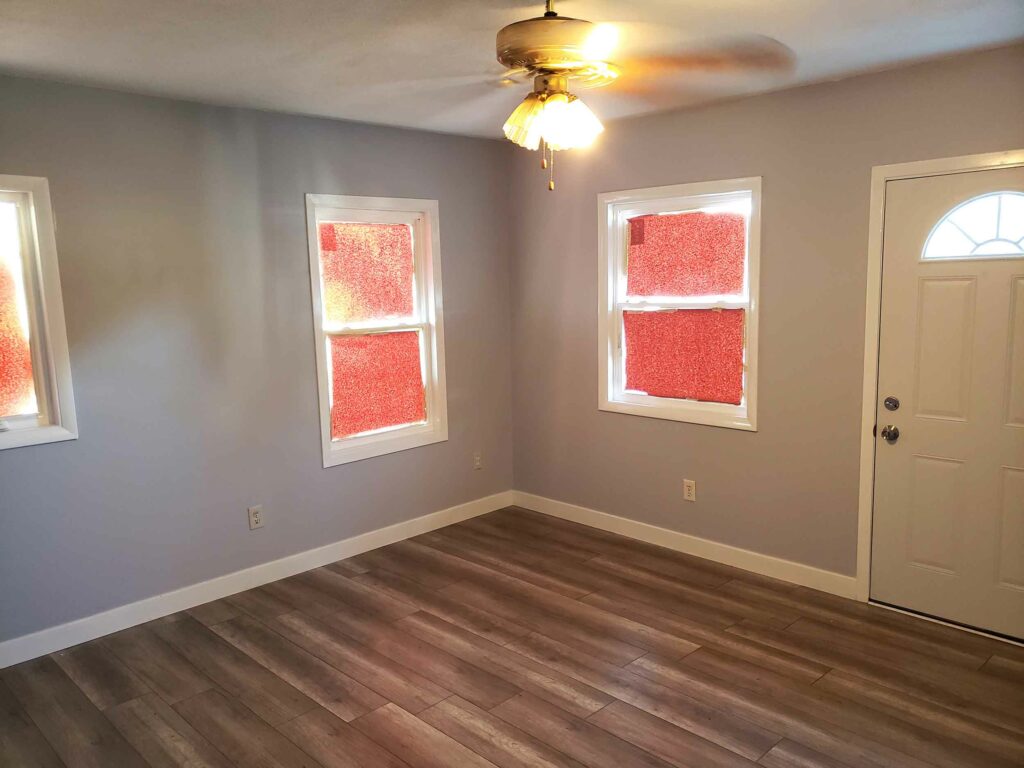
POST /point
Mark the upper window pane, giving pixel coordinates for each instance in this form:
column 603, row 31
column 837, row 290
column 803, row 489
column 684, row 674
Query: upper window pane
column 692, row 354
column 367, row 272
column 17, row 386
column 991, row 225
column 698, row 253
column 377, row 382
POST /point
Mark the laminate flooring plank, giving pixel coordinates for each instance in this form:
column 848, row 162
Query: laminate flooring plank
column 336, row 744
column 416, row 742
column 579, row 739
column 469, row 617
column 677, row 706
column 247, row 740
column 76, row 729
column 457, row 547
column 879, row 671
column 898, row 705
column 797, row 667
column 765, row 710
column 789, row 754
column 521, row 671
column 213, row 612
column 162, row 736
column 100, row 674
column 356, row 595
column 395, row 682
column 911, row 739
column 671, row 743
column 165, row 671
column 265, row 693
column 493, row 738
column 22, row 744
column 479, row 686
column 330, row 688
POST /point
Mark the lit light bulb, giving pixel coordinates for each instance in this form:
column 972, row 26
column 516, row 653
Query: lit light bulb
column 560, row 119
column 576, row 127
column 601, row 42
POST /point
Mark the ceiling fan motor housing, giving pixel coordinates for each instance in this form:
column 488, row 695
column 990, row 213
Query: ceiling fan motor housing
column 554, row 45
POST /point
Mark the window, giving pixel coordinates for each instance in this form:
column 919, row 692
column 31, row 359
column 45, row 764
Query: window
column 990, row 226
column 36, row 402
column 376, row 279
column 678, row 314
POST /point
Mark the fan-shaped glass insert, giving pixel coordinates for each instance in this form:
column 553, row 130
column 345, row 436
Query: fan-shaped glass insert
column 987, row 226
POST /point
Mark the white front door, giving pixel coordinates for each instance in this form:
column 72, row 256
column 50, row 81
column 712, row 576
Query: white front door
column 948, row 524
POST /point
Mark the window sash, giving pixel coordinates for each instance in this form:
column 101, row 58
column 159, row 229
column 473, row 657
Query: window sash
column 615, row 210
column 421, row 216
column 55, row 419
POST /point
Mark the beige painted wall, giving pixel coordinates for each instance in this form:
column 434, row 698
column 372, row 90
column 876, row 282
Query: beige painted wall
column 790, row 490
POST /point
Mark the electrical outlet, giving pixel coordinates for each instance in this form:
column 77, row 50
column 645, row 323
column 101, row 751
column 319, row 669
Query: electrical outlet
column 689, row 490
column 478, row 461
column 255, row 517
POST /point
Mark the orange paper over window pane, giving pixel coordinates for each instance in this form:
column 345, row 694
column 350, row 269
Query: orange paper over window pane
column 377, row 382
column 686, row 254
column 696, row 354
column 17, row 388
column 367, row 271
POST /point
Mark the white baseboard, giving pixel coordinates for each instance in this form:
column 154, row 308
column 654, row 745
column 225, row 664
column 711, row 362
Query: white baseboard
column 46, row 641
column 766, row 565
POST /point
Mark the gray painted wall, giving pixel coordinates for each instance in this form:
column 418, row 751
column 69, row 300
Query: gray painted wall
column 182, row 245
column 789, row 490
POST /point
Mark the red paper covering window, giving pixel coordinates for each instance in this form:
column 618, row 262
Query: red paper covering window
column 376, row 381
column 17, row 387
column 696, row 354
column 367, row 271
column 686, row 254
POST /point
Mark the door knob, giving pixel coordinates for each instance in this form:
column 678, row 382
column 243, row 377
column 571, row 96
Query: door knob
column 890, row 433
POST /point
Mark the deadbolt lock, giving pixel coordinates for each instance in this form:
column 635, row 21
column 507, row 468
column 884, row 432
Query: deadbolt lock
column 891, row 403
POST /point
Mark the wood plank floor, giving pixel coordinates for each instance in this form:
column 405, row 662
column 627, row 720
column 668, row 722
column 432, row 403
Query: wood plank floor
column 519, row 640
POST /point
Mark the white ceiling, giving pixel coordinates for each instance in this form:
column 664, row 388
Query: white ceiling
column 430, row 64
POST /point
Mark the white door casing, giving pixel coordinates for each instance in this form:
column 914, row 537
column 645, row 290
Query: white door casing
column 947, row 536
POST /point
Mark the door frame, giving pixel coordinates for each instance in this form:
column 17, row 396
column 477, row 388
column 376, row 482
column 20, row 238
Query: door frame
column 880, row 176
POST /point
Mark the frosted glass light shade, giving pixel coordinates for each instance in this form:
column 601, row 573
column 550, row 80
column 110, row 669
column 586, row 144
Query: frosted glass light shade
column 523, row 126
column 561, row 120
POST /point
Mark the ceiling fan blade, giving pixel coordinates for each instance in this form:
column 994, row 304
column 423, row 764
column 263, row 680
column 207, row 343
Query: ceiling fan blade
column 754, row 54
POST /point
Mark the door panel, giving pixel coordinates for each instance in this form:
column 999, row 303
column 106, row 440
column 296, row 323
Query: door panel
column 948, row 522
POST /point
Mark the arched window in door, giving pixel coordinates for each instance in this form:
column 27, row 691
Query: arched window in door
column 984, row 227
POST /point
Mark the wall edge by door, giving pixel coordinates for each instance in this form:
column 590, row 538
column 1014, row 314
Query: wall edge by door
column 44, row 641
column 756, row 562
column 880, row 176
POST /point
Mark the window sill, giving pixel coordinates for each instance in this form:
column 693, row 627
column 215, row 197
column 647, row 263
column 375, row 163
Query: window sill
column 708, row 414
column 25, row 436
column 359, row 448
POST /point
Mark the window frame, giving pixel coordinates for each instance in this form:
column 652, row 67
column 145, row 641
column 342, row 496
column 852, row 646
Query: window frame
column 422, row 216
column 51, row 365
column 614, row 208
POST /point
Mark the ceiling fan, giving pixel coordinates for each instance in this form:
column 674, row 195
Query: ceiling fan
column 559, row 52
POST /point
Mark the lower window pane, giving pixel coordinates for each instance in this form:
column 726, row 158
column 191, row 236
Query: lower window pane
column 17, row 388
column 695, row 354
column 376, row 382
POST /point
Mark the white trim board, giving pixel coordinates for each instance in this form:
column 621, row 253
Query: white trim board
column 766, row 565
column 46, row 641
column 880, row 176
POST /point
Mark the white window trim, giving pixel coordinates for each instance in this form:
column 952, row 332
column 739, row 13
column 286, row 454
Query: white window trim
column 422, row 216
column 613, row 210
column 51, row 364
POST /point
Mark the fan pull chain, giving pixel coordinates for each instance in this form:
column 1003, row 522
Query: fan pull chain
column 551, row 172
column 543, row 155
